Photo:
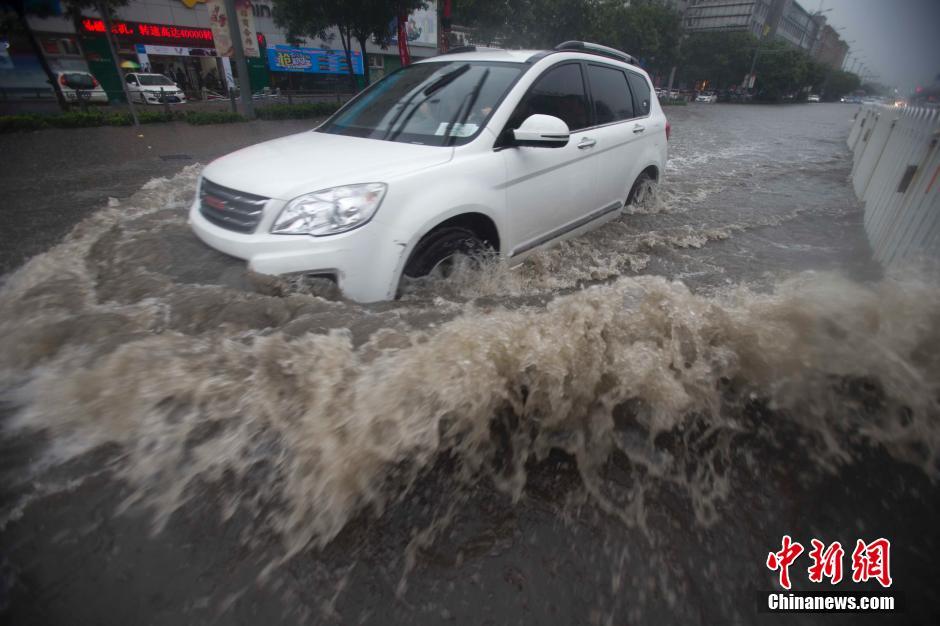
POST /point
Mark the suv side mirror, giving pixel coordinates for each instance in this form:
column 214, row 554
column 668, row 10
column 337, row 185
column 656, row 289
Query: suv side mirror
column 545, row 131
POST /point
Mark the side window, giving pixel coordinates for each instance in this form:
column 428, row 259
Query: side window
column 641, row 93
column 612, row 100
column 130, row 79
column 558, row 92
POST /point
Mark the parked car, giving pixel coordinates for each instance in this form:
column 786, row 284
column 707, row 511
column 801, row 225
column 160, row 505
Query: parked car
column 813, row 98
column 147, row 89
column 706, row 96
column 475, row 150
column 76, row 85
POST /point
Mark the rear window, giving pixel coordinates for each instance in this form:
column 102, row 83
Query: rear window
column 79, row 80
column 612, row 101
column 641, row 93
column 154, row 80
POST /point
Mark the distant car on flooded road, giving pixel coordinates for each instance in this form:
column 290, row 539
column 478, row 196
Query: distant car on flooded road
column 813, row 98
column 153, row 89
column 79, row 86
column 707, row 96
column 473, row 151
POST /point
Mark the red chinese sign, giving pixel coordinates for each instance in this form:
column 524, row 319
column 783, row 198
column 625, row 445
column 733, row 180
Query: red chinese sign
column 870, row 561
column 782, row 560
column 153, row 33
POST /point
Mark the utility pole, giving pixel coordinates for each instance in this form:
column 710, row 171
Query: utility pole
column 750, row 74
column 105, row 11
column 240, row 63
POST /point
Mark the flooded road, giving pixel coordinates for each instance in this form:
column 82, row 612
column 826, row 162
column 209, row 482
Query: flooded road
column 616, row 432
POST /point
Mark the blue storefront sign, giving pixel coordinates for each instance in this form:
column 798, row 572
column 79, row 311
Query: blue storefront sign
column 311, row 60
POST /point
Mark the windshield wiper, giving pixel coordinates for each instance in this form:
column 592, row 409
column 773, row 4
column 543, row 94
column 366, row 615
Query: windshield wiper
column 470, row 101
column 446, row 79
column 430, row 90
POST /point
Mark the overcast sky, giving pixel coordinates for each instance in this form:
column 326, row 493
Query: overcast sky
column 898, row 40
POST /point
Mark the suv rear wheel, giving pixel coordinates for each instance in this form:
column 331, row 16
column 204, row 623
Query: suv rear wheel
column 643, row 194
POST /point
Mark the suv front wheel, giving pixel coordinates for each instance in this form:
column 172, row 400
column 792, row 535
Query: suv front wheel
column 436, row 254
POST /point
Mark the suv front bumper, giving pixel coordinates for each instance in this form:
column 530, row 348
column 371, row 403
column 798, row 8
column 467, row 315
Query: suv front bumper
column 366, row 262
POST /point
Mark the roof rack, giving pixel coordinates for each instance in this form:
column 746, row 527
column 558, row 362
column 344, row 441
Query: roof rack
column 593, row 48
column 460, row 49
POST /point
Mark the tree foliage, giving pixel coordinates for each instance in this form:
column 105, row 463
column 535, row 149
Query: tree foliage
column 781, row 71
column 645, row 29
column 839, row 83
column 721, row 58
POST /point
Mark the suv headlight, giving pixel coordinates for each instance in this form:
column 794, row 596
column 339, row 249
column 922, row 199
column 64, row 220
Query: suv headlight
column 330, row 211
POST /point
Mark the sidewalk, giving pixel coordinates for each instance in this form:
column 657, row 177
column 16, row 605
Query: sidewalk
column 51, row 179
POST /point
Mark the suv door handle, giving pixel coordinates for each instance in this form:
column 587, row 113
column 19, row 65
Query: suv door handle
column 587, row 142
column 638, row 128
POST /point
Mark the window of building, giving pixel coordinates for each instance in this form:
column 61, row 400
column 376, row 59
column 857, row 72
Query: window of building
column 612, row 100
column 59, row 46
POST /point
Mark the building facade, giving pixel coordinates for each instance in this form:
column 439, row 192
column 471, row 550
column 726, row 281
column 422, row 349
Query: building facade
column 830, row 49
column 783, row 19
column 173, row 37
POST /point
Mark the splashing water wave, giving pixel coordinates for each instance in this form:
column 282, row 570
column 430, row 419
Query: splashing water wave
column 306, row 411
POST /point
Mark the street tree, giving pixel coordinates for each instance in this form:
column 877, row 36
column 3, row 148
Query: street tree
column 816, row 74
column 647, row 30
column 529, row 23
column 721, row 58
column 840, row 83
column 359, row 20
column 781, row 71
column 40, row 8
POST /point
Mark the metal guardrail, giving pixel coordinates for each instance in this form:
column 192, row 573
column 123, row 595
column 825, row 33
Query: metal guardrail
column 896, row 172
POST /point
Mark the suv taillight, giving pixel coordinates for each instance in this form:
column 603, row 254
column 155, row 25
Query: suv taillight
column 668, row 129
column 94, row 82
column 62, row 80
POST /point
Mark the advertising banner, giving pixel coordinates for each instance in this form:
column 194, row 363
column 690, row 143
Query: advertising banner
column 246, row 28
column 420, row 27
column 312, row 60
column 219, row 23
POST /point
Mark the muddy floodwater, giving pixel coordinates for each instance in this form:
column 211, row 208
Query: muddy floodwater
column 616, row 432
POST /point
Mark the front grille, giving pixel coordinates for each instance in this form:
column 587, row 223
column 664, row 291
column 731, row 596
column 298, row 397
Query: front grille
column 234, row 210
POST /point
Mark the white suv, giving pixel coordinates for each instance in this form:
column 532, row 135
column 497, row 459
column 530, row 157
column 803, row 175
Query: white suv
column 476, row 149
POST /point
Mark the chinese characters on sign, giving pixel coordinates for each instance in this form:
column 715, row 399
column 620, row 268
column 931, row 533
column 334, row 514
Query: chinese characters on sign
column 312, row 60
column 218, row 23
column 870, row 561
column 245, row 23
column 246, row 28
column 153, row 31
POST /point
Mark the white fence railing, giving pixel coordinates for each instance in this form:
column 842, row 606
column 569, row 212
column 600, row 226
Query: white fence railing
column 896, row 172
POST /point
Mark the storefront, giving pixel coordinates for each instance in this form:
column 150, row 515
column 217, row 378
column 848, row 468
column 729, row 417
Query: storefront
column 173, row 37
column 187, row 55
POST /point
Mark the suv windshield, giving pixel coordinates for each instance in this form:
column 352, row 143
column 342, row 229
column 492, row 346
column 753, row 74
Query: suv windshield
column 79, row 80
column 152, row 80
column 438, row 103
